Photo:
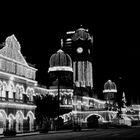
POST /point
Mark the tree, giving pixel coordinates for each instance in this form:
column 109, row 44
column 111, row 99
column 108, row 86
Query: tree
column 47, row 107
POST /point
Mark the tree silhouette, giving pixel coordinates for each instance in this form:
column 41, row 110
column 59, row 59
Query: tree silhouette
column 47, row 107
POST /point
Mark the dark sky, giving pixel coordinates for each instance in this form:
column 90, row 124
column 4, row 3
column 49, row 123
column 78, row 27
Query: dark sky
column 115, row 28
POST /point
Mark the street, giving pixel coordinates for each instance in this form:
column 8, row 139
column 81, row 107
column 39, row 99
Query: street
column 111, row 133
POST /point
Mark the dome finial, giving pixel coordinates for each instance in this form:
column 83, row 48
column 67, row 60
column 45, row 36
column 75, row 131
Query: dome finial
column 62, row 43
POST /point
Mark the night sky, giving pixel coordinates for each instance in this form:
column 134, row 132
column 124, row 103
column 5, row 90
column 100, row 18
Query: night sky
column 115, row 30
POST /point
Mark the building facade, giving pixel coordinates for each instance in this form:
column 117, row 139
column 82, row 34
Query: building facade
column 17, row 82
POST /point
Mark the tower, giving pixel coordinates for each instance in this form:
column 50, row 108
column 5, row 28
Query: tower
column 110, row 90
column 60, row 80
column 78, row 44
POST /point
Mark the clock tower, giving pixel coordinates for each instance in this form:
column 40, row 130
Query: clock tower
column 78, row 44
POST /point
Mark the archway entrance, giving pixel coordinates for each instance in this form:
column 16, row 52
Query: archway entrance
column 11, row 122
column 19, row 122
column 92, row 121
column 2, row 122
column 30, row 121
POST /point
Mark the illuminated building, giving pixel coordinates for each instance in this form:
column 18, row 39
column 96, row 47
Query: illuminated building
column 17, row 82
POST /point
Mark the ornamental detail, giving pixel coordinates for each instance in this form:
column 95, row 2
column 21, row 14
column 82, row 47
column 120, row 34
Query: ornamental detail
column 81, row 34
column 12, row 50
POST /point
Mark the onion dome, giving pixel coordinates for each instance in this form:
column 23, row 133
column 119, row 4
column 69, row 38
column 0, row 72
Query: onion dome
column 60, row 61
column 110, row 86
column 82, row 34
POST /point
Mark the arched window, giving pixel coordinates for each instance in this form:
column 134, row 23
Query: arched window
column 4, row 89
column 11, row 122
column 11, row 90
column 17, row 91
column 21, row 92
column 28, row 91
column 30, row 119
column 1, row 88
column 32, row 93
column 3, row 117
column 19, row 121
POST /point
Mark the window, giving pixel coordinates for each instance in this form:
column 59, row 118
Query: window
column 17, row 91
column 1, row 88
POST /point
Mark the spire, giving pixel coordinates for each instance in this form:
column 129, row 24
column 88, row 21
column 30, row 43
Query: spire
column 62, row 43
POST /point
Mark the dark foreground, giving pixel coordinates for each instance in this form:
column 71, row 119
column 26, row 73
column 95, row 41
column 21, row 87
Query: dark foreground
column 91, row 134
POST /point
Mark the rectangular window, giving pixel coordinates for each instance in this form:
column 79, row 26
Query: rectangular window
column 14, row 96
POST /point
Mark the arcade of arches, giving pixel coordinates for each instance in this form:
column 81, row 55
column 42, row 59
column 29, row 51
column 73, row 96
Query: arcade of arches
column 19, row 122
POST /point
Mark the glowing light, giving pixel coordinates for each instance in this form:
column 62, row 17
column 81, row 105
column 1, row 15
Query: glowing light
column 68, row 39
column 17, row 106
column 12, row 78
column 80, row 50
column 70, row 32
column 16, row 76
column 67, row 106
column 95, row 100
column 60, row 68
column 109, row 90
column 54, row 92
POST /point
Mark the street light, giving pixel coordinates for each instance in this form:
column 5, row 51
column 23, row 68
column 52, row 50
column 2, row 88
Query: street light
column 58, row 86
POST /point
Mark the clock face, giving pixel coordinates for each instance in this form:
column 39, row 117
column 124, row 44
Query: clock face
column 80, row 50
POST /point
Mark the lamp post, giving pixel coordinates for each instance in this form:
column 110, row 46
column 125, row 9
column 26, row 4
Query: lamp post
column 58, row 86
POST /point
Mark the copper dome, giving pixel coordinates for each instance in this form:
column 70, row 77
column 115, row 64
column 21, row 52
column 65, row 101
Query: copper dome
column 110, row 86
column 60, row 60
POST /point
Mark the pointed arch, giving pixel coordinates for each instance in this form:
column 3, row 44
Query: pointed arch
column 3, row 117
column 19, row 113
column 29, row 93
column 21, row 92
column 19, row 121
column 1, row 88
column 11, row 89
column 30, row 120
column 22, row 89
column 30, row 113
column 5, row 87
column 17, row 91
column 32, row 94
column 11, row 121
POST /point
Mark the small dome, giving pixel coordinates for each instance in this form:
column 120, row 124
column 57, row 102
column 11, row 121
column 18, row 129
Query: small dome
column 60, row 59
column 110, row 86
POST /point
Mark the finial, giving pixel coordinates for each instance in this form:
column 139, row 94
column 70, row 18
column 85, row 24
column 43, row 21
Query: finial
column 61, row 43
